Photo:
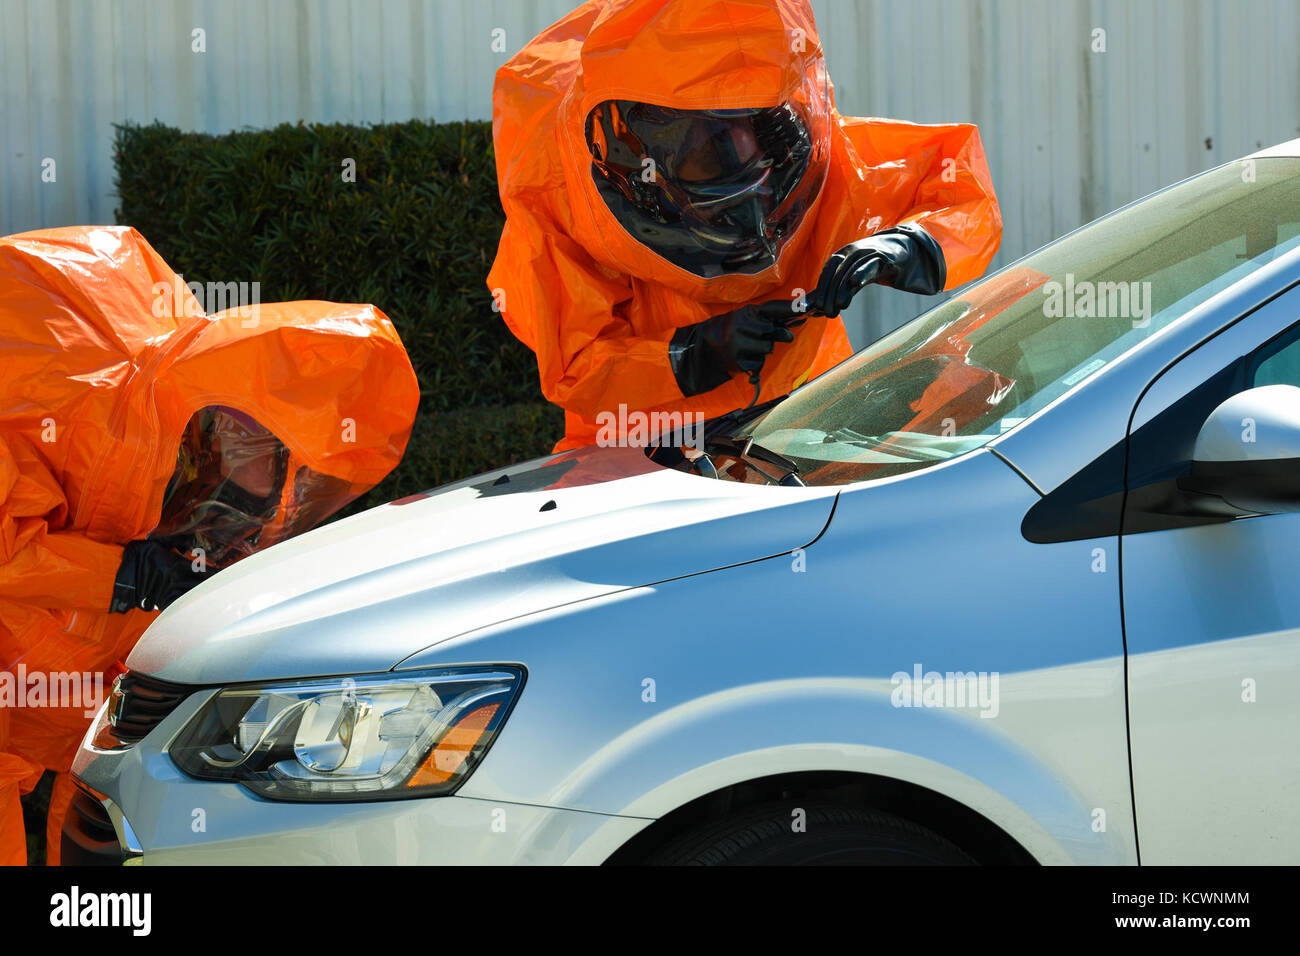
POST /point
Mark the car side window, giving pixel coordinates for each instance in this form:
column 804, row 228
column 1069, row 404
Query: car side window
column 1161, row 451
column 1133, row 486
column 1282, row 367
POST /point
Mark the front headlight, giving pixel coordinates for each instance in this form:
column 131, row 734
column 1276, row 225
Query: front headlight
column 352, row 738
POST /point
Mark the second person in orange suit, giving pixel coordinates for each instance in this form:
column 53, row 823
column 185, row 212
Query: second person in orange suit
column 687, row 213
column 145, row 445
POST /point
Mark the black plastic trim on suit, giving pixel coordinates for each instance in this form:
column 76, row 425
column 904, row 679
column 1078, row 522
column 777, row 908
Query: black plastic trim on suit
column 925, row 271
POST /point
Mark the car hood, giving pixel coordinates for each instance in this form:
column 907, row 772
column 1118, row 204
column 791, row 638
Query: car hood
column 365, row 592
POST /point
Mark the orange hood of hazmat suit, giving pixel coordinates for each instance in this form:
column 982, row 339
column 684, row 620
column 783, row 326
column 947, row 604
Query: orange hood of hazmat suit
column 107, row 356
column 594, row 303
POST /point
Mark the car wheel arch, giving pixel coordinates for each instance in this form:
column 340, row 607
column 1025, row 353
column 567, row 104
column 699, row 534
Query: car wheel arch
column 968, row 829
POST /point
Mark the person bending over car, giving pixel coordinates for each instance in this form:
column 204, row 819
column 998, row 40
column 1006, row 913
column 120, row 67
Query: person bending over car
column 144, row 446
column 686, row 208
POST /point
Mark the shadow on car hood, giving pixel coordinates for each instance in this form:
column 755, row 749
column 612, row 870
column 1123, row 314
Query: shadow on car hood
column 365, row 592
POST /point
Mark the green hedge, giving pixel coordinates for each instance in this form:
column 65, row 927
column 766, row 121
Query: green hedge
column 415, row 234
column 446, row 446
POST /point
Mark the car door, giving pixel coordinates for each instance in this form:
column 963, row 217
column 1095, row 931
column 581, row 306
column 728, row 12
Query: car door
column 1212, row 623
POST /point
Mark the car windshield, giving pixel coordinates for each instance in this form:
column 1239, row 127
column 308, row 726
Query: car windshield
column 980, row 363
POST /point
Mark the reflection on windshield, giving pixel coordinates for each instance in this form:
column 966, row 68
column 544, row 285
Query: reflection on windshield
column 965, row 372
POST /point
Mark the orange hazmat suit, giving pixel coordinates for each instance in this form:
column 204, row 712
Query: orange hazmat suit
column 594, row 303
column 105, row 356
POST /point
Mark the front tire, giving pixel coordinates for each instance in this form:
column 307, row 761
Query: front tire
column 832, row 835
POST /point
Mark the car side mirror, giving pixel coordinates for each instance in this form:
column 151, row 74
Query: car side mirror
column 1248, row 452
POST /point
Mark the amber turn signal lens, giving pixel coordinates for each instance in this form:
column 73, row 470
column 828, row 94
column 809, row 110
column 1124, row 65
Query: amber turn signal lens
column 454, row 747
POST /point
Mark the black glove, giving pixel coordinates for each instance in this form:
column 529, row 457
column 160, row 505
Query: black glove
column 150, row 577
column 705, row 355
column 906, row 258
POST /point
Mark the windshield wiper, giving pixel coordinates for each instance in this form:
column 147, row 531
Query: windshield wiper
column 749, row 450
column 726, row 426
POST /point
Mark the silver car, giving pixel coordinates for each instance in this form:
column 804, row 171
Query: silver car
column 1016, row 583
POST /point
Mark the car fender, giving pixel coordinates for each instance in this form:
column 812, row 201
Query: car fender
column 778, row 728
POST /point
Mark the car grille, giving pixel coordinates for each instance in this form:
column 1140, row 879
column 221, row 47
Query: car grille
column 144, row 703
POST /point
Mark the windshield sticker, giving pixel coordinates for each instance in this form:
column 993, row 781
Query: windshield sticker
column 1075, row 378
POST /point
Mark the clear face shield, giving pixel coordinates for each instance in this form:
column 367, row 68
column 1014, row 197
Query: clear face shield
column 238, row 489
column 713, row 191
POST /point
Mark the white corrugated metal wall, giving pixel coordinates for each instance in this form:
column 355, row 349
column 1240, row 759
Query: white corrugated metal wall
column 1070, row 133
